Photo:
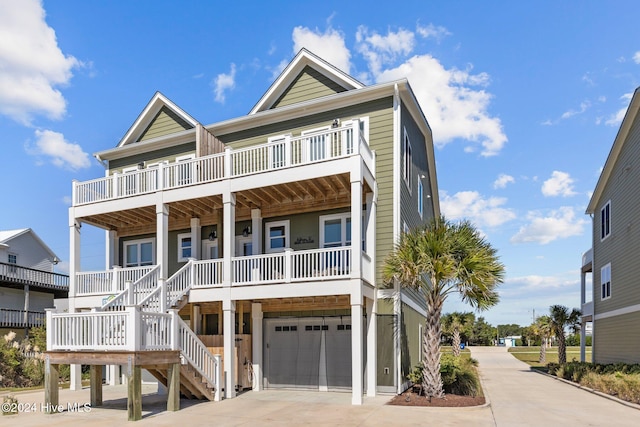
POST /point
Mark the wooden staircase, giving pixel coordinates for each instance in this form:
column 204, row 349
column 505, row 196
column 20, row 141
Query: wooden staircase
column 192, row 385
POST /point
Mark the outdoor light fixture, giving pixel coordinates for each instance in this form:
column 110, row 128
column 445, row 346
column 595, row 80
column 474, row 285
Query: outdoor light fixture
column 335, row 123
column 246, row 231
column 212, row 235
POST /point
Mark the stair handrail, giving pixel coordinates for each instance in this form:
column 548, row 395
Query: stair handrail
column 179, row 284
column 197, row 354
column 132, row 290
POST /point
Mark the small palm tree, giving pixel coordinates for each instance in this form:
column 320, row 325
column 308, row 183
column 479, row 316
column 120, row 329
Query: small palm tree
column 560, row 319
column 455, row 323
column 439, row 259
column 542, row 329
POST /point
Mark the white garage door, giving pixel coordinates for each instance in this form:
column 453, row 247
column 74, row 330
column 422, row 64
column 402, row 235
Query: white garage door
column 308, row 352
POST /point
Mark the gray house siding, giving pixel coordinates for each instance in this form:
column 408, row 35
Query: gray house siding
column 616, row 339
column 167, row 154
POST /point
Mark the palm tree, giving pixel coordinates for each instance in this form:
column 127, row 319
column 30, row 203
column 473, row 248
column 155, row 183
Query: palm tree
column 542, row 329
column 438, row 259
column 560, row 319
column 455, row 323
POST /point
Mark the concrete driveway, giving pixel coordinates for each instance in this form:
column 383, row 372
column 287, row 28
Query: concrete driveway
column 517, row 397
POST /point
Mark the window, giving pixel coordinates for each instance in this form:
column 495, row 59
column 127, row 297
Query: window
column 420, row 197
column 335, row 230
column 277, row 152
column 407, row 161
column 13, row 259
column 276, row 236
column 316, row 144
column 139, row 253
column 605, row 221
column 184, row 247
column 184, row 167
column 605, row 281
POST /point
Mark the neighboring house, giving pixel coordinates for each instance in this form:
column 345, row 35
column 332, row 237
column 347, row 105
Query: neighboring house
column 267, row 232
column 28, row 283
column 614, row 208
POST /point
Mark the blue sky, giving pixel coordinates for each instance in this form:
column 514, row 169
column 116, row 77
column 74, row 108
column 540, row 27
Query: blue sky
column 524, row 99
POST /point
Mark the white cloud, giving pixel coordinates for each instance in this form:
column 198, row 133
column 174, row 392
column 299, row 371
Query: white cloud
column 224, row 82
column 570, row 113
column 329, row 46
column 560, row 184
column 503, row 180
column 636, row 57
column 383, row 50
column 453, row 107
column 559, row 224
column 433, row 31
column 62, row 153
column 32, row 64
column 616, row 118
column 472, row 206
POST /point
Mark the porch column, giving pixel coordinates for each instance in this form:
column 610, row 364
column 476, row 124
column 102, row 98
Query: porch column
column 75, row 381
column 229, row 240
column 95, row 375
column 256, row 227
column 111, row 249
column 51, row 392
column 372, row 346
column 370, row 227
column 25, row 316
column 162, row 239
column 134, row 393
column 74, row 257
column 173, row 387
column 229, row 325
column 356, row 351
column 256, row 337
column 195, row 238
column 196, row 320
column 356, row 221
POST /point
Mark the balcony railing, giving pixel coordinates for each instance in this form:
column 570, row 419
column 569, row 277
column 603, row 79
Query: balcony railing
column 108, row 282
column 285, row 153
column 10, row 318
column 15, row 274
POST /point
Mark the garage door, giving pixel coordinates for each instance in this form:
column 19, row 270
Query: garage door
column 308, row 352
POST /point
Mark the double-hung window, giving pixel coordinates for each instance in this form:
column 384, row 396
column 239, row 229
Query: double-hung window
column 138, row 253
column 605, row 281
column 407, row 161
column 276, row 236
column 185, row 245
column 605, row 221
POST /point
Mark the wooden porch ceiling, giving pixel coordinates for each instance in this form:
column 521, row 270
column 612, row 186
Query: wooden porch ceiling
column 326, row 302
column 309, row 195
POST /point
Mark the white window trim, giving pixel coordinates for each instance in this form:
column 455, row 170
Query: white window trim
column 605, row 268
column 602, row 230
column 343, row 226
column 267, row 240
column 139, row 242
column 181, row 237
column 420, row 197
column 407, row 162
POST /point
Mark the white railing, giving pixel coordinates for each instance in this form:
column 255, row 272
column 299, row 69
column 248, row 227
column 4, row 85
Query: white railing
column 89, row 331
column 156, row 331
column 327, row 263
column 255, row 269
column 288, row 152
column 179, row 284
column 207, row 272
column 197, row 354
column 135, row 292
column 108, row 282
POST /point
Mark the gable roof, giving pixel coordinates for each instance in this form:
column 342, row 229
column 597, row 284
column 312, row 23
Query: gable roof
column 7, row 235
column 303, row 59
column 621, row 139
column 157, row 105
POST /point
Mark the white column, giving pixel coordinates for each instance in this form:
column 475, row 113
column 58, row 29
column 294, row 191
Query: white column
column 74, row 257
column 111, row 249
column 229, row 326
column 372, row 346
column 356, row 352
column 256, row 337
column 356, row 219
column 162, row 239
column 256, row 227
column 229, row 238
column 195, row 238
column 75, row 382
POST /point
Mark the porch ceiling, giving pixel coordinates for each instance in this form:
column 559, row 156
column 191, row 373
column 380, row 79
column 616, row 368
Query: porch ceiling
column 309, row 195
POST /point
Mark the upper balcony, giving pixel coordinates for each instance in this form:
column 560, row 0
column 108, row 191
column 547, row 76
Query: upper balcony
column 14, row 276
column 277, row 154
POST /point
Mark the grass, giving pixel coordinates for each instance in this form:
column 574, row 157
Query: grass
column 531, row 355
column 38, row 387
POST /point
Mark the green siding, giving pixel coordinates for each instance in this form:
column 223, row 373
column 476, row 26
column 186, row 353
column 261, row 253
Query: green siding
column 622, row 247
column 309, row 84
column 411, row 321
column 385, row 331
column 167, row 154
column 616, row 339
column 165, row 122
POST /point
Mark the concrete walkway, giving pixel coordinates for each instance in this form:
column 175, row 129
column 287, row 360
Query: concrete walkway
column 521, row 397
column 517, row 396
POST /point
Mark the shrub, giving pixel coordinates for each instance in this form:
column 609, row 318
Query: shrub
column 459, row 375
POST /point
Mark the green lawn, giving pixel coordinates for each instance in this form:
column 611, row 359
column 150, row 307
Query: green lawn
column 531, row 355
